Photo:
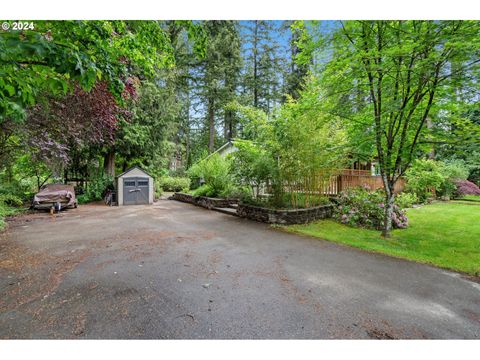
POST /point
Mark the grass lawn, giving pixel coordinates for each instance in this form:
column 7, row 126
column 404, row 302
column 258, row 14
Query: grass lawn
column 469, row 198
column 443, row 234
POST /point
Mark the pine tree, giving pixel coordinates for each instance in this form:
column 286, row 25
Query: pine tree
column 264, row 65
column 220, row 70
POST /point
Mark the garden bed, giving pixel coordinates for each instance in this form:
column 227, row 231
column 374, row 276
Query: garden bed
column 286, row 217
column 203, row 201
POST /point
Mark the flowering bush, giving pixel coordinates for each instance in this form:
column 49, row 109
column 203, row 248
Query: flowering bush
column 465, row 187
column 359, row 207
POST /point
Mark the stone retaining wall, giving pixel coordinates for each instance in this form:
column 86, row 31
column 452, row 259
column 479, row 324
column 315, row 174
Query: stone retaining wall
column 203, row 201
column 271, row 216
column 285, row 217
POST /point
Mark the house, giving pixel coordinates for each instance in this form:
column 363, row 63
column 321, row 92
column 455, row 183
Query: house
column 134, row 187
column 368, row 167
column 226, row 148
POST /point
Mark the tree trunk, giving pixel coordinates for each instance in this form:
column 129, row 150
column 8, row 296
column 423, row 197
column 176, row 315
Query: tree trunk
column 431, row 153
column 109, row 162
column 211, row 120
column 187, row 148
column 389, row 201
column 228, row 125
column 255, row 66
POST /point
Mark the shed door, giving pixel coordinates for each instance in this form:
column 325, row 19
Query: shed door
column 135, row 191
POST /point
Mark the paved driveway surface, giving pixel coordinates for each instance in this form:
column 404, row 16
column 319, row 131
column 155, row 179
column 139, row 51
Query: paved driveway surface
column 173, row 270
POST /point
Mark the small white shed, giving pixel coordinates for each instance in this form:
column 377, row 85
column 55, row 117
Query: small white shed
column 134, row 187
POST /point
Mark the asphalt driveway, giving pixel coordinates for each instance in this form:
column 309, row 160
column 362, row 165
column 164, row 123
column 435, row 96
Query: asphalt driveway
column 173, row 270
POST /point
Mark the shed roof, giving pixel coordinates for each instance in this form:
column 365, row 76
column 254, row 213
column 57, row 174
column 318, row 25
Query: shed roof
column 132, row 168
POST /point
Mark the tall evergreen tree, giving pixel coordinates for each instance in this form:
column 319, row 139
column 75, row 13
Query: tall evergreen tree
column 219, row 70
column 297, row 71
column 264, row 65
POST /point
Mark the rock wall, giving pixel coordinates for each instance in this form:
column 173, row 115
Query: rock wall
column 285, row 217
column 203, row 201
column 271, row 216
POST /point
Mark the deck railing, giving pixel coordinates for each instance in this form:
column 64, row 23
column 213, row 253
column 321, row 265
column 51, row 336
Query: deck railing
column 348, row 179
column 340, row 180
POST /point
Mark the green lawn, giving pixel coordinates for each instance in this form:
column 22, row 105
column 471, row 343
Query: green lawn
column 470, row 198
column 443, row 234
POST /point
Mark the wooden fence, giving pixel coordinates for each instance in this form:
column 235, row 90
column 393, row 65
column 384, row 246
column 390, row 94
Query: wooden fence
column 341, row 180
column 347, row 179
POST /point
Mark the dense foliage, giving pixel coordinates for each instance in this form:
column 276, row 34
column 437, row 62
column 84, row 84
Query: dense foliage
column 429, row 178
column 169, row 183
column 293, row 152
column 9, row 205
column 47, row 58
column 96, row 188
column 423, row 178
column 215, row 175
column 406, row 200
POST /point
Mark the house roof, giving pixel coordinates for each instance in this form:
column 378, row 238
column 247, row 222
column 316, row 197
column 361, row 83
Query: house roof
column 224, row 146
column 131, row 168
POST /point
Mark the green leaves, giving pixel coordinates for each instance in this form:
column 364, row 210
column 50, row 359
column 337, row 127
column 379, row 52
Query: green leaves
column 57, row 52
column 10, row 89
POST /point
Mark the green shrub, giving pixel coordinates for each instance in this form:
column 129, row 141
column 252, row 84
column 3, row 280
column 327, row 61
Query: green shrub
column 423, row 177
column 84, row 199
column 359, row 207
column 452, row 171
column 96, row 189
column 3, row 211
column 405, row 200
column 236, row 192
column 455, row 169
column 158, row 191
column 204, row 190
column 175, row 184
column 215, row 172
column 9, row 205
column 17, row 189
column 11, row 200
column 474, row 175
column 253, row 165
column 285, row 201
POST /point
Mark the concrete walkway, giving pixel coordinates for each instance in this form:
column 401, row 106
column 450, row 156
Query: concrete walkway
column 173, row 270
